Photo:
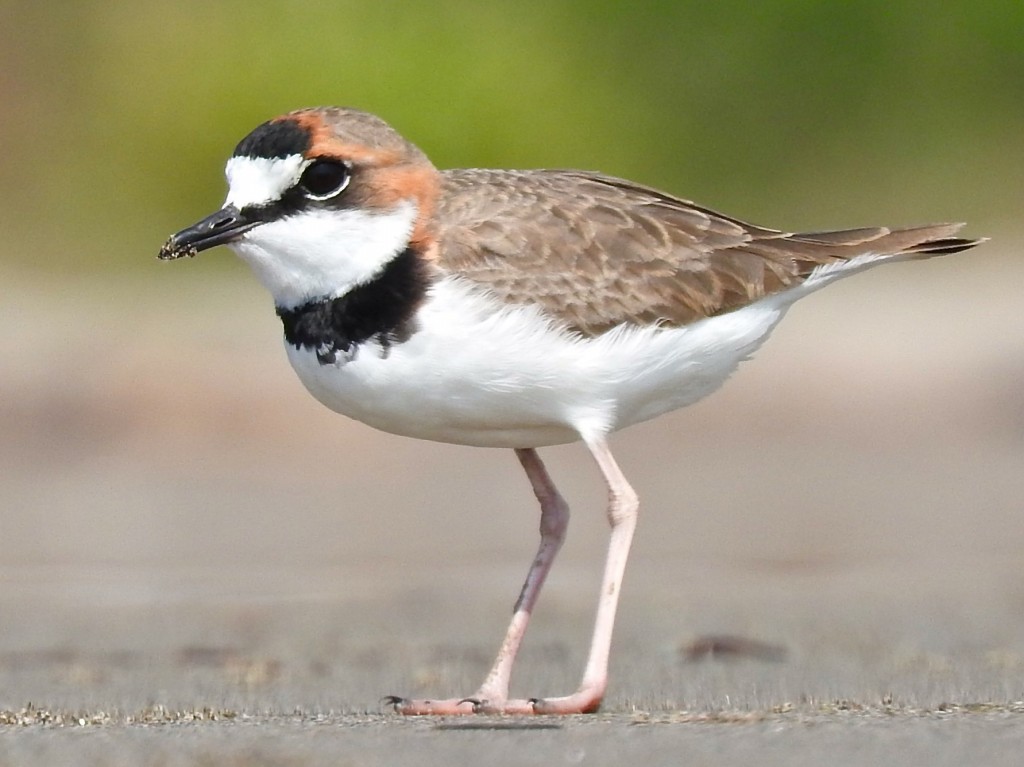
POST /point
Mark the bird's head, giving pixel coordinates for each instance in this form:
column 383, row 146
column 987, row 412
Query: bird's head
column 318, row 202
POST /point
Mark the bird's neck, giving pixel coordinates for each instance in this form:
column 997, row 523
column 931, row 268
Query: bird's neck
column 380, row 310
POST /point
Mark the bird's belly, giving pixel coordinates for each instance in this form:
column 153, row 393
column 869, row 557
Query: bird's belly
column 474, row 375
column 401, row 396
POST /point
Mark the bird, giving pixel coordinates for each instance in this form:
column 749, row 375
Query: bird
column 511, row 309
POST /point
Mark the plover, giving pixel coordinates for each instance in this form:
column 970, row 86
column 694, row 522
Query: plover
column 511, row 308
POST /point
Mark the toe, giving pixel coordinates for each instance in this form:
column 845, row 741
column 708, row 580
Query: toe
column 395, row 701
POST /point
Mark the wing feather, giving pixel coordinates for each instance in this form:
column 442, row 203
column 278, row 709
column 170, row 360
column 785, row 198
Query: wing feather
column 595, row 251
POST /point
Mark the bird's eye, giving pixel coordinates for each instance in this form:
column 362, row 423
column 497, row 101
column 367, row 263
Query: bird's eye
column 323, row 179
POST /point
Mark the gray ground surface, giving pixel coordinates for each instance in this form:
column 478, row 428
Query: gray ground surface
column 199, row 565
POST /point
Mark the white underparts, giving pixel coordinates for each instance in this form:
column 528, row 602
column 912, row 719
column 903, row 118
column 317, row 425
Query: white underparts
column 477, row 372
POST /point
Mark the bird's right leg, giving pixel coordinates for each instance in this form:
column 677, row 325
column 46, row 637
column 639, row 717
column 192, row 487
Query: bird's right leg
column 492, row 696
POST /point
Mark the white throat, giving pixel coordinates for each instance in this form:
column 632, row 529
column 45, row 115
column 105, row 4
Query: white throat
column 316, row 253
column 321, row 253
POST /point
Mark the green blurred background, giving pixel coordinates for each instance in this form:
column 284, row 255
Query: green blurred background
column 117, row 116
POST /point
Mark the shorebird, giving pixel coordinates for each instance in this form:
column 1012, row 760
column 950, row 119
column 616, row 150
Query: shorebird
column 511, row 308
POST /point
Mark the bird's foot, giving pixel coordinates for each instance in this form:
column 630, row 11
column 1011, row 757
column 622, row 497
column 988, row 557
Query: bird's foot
column 582, row 702
column 459, row 706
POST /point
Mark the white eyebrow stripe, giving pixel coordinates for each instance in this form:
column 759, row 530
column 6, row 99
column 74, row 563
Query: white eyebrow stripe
column 259, row 180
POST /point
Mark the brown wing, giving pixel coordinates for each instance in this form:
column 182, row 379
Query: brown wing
column 596, row 251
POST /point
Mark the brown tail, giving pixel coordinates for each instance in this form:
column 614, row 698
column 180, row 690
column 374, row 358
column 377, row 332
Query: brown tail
column 931, row 240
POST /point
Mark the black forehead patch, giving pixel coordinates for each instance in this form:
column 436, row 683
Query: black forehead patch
column 276, row 139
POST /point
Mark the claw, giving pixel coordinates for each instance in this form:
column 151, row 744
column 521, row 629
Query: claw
column 478, row 704
column 395, row 701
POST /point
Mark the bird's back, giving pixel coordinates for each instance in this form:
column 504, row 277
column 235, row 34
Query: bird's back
column 595, row 251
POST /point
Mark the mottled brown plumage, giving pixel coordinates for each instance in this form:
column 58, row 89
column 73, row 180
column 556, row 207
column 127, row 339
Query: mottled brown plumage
column 596, row 251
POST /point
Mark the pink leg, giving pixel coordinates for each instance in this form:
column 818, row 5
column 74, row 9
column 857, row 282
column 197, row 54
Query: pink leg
column 492, row 697
column 622, row 513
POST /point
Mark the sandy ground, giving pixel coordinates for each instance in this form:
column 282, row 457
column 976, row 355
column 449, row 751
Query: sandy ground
column 200, row 565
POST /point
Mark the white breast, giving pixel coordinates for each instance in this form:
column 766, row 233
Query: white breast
column 478, row 373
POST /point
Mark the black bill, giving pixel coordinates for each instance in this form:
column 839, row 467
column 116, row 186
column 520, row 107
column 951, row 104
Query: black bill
column 218, row 228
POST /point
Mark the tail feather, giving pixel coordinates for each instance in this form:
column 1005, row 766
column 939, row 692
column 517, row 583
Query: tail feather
column 931, row 240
